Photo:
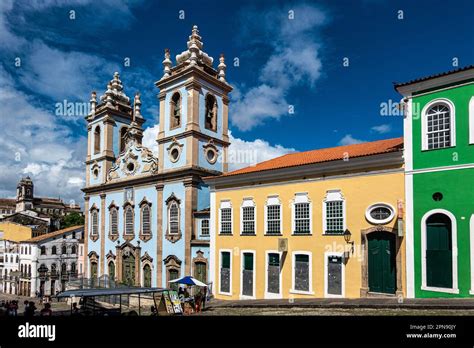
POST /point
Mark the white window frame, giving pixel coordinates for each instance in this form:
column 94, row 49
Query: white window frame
column 226, row 204
column 111, row 224
column 230, row 274
column 454, row 243
column 380, row 222
column 301, row 197
column 471, row 120
column 248, row 202
column 242, row 296
column 273, row 200
column 95, row 212
column 178, row 218
column 471, row 234
column 142, row 221
column 424, row 123
column 208, row 227
column 125, row 220
column 271, row 295
column 293, row 264
column 331, row 196
column 327, row 254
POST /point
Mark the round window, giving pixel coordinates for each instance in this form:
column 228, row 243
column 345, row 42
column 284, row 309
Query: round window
column 211, row 156
column 380, row 213
column 130, row 167
column 174, row 154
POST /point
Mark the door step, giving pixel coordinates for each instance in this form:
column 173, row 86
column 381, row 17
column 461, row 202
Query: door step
column 380, row 295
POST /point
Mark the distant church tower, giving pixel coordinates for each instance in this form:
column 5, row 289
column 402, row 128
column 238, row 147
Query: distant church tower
column 24, row 194
column 147, row 214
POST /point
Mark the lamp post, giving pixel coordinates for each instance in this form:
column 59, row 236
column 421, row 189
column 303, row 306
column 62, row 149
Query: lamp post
column 347, row 238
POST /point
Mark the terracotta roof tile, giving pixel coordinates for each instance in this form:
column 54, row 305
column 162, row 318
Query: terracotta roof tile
column 53, row 234
column 324, row 155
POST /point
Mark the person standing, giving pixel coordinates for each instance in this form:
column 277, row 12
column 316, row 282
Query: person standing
column 46, row 311
column 30, row 312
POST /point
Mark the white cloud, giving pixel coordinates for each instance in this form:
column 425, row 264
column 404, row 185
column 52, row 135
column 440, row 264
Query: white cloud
column 382, row 129
column 33, row 142
column 149, row 138
column 294, row 61
column 243, row 153
column 348, row 139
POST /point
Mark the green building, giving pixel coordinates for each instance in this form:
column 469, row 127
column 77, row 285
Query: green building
column 439, row 184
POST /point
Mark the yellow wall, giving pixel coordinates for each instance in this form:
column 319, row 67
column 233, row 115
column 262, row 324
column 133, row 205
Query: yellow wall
column 15, row 232
column 359, row 192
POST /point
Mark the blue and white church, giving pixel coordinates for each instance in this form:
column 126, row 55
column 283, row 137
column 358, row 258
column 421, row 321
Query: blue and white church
column 147, row 213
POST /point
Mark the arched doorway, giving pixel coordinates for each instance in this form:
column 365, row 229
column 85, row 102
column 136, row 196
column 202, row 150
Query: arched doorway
column 200, row 271
column 111, row 271
column 439, row 251
column 128, row 269
column 147, row 276
column 382, row 271
column 93, row 273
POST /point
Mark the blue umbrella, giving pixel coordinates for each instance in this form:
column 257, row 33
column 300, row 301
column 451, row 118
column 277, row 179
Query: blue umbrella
column 188, row 280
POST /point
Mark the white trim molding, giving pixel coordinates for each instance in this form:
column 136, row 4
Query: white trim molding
column 270, row 295
column 212, row 246
column 248, row 202
column 301, row 197
column 226, row 204
column 471, row 120
column 452, row 126
column 379, row 205
column 454, row 243
column 334, row 196
column 409, row 237
column 328, row 254
column 471, row 237
column 242, row 296
column 272, row 200
column 310, row 270
column 230, row 272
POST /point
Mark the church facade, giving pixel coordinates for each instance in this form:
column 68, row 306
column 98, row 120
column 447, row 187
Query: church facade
column 147, row 213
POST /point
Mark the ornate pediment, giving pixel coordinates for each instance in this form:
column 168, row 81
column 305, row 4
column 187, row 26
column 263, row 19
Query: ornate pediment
column 135, row 160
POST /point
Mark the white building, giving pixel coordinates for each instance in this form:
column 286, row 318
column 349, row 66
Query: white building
column 9, row 264
column 42, row 264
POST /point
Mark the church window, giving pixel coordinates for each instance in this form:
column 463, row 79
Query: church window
column 73, row 249
column 63, row 250
column 147, row 276
column 146, row 228
column 174, row 218
column 97, row 140
column 211, row 112
column 129, row 220
column 95, row 223
column 175, row 108
column 123, row 132
column 43, row 250
column 113, row 221
column 53, row 250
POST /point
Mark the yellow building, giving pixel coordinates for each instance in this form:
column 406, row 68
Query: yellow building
column 322, row 223
column 15, row 232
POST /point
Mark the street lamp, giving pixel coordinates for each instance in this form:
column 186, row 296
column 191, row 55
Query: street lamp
column 347, row 238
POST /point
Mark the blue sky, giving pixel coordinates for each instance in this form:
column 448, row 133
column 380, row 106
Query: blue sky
column 282, row 62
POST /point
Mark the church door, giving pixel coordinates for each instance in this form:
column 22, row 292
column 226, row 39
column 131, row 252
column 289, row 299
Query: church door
column 128, row 269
